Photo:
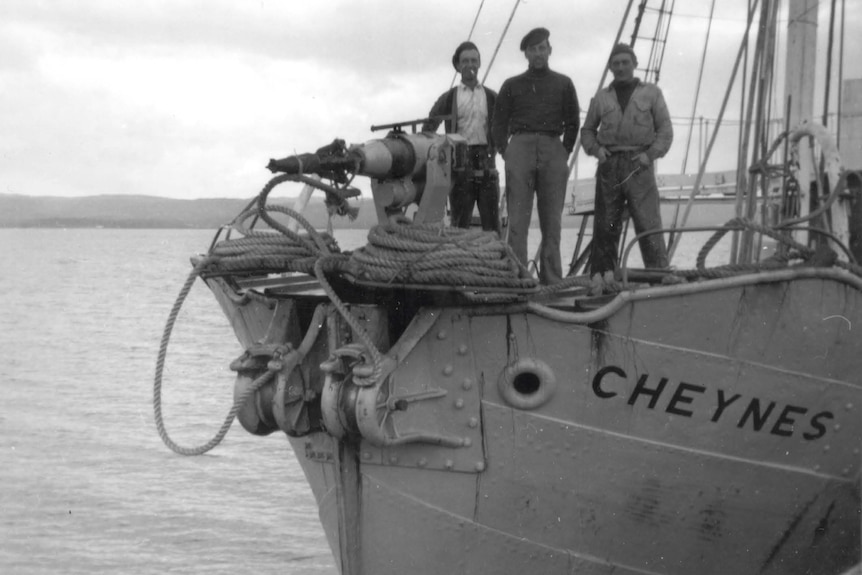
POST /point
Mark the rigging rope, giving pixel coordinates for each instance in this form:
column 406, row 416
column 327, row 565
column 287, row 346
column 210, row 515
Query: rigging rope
column 698, row 86
column 502, row 36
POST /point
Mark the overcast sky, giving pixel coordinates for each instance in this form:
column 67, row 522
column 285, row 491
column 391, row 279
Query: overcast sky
column 190, row 98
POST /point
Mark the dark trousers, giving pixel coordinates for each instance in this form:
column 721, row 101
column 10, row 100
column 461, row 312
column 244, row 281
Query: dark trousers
column 478, row 184
column 537, row 164
column 621, row 180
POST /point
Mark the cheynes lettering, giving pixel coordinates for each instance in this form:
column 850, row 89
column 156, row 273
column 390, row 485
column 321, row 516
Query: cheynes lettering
column 685, row 399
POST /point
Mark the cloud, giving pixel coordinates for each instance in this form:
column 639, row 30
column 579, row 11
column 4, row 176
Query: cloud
column 190, row 98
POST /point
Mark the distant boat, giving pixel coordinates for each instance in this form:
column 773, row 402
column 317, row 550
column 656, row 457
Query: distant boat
column 453, row 416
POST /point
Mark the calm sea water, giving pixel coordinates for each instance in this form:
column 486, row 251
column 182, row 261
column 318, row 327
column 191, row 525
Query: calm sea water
column 86, row 485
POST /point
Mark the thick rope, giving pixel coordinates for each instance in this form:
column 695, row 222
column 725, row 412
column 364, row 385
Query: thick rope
column 430, row 254
column 160, row 365
column 796, row 251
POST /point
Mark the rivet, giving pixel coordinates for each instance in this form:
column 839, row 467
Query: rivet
column 393, row 459
column 480, row 466
column 474, row 422
column 848, row 407
column 441, row 334
column 817, row 467
column 845, row 471
column 856, row 451
column 459, row 404
column 462, row 349
column 468, row 384
column 449, row 464
column 826, row 448
column 467, row 442
column 366, row 455
column 422, row 462
column 448, row 370
column 836, row 427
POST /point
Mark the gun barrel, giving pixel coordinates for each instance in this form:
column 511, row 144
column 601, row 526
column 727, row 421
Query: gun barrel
column 310, row 164
column 395, row 156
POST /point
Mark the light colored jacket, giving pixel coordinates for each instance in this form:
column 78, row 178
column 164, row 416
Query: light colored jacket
column 645, row 124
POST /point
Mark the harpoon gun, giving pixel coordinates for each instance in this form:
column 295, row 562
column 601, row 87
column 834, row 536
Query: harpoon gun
column 404, row 169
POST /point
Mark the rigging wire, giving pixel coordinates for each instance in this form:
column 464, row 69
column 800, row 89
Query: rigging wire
column 659, row 40
column 840, row 73
column 502, row 36
column 697, row 89
column 830, row 42
column 702, row 168
column 469, row 37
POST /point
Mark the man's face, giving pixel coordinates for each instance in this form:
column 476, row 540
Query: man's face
column 537, row 55
column 468, row 66
column 622, row 66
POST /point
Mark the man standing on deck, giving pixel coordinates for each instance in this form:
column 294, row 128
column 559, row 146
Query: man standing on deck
column 533, row 111
column 468, row 109
column 627, row 127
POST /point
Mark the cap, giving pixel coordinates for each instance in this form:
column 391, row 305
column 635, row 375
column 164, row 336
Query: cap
column 533, row 37
column 456, row 57
column 622, row 48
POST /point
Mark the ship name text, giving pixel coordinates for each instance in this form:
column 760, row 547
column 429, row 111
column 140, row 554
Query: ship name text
column 685, row 399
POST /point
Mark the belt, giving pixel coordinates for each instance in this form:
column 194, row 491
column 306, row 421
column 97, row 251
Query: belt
column 624, row 149
column 537, row 133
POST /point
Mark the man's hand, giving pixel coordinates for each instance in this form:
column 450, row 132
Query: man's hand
column 643, row 160
column 603, row 154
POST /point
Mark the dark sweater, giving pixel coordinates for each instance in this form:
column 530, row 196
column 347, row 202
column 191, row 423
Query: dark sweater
column 537, row 101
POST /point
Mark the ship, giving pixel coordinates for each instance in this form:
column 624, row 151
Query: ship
column 452, row 415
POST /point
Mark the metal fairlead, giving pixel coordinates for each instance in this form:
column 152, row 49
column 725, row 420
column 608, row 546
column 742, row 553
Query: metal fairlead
column 287, row 402
column 368, row 411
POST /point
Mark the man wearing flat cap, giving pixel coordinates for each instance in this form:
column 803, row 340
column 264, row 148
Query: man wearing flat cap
column 467, row 109
column 535, row 126
column 627, row 128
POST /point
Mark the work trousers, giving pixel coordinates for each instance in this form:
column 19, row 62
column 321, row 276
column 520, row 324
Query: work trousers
column 536, row 164
column 478, row 185
column 622, row 180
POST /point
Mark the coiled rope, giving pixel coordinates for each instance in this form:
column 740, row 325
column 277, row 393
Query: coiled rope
column 431, row 254
column 796, row 251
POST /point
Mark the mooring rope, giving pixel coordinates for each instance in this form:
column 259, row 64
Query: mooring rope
column 160, row 365
column 256, row 250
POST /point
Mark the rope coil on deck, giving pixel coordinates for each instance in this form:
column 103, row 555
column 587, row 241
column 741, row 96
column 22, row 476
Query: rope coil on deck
column 434, row 255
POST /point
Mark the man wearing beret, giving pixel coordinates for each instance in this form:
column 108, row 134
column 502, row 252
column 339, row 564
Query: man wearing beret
column 627, row 128
column 535, row 126
column 467, row 109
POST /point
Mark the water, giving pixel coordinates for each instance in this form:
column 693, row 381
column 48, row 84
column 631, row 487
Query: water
column 86, row 485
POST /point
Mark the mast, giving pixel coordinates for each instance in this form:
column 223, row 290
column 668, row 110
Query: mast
column 799, row 89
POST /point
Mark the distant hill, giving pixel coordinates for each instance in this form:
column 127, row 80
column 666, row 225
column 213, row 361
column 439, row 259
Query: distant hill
column 118, row 211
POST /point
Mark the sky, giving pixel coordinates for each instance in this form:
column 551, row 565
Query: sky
column 190, row 98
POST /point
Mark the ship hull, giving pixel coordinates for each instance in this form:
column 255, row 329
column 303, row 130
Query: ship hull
column 698, row 428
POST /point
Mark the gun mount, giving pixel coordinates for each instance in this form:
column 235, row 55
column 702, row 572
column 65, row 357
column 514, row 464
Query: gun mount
column 404, row 169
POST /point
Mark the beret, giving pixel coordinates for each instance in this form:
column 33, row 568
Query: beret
column 533, row 37
column 622, row 48
column 456, row 57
